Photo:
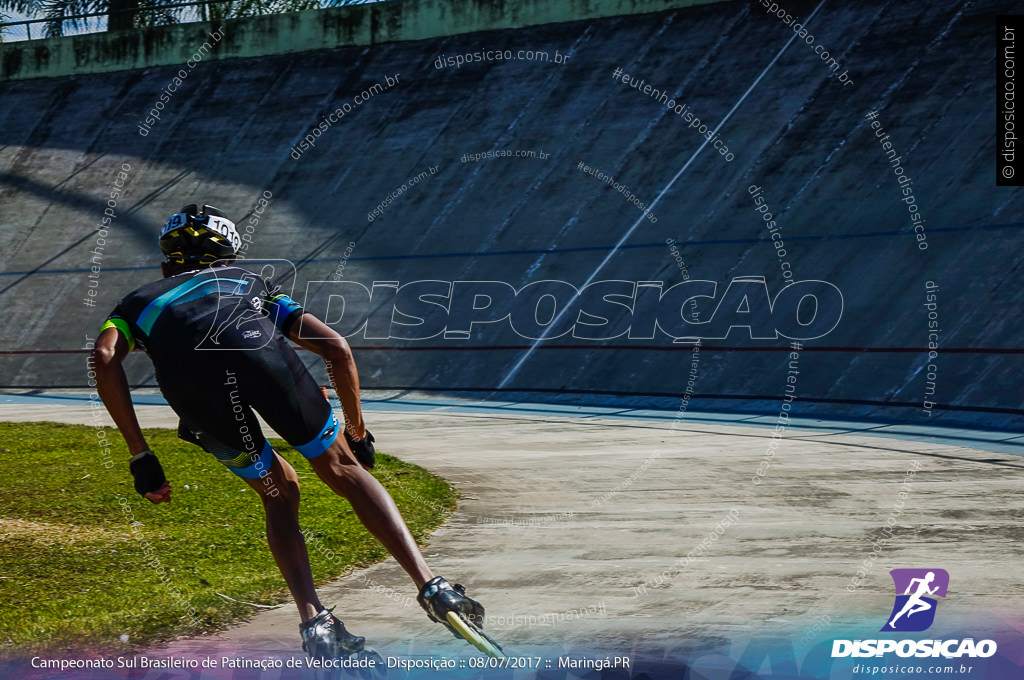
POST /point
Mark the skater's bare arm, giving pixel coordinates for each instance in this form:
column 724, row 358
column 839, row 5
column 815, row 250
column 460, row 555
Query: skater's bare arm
column 112, row 385
column 311, row 333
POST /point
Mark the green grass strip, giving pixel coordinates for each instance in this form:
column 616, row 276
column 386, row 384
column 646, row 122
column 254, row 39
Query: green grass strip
column 76, row 575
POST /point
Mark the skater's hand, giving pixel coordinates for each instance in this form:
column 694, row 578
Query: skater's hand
column 161, row 495
column 362, row 449
column 150, row 482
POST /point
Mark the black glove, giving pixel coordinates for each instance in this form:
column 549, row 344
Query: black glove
column 148, row 474
column 363, row 449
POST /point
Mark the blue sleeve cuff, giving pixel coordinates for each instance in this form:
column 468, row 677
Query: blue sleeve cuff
column 284, row 311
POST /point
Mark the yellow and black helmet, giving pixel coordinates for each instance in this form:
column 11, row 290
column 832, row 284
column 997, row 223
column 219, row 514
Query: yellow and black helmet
column 199, row 236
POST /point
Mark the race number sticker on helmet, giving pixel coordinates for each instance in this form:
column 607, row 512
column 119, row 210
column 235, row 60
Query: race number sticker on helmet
column 174, row 222
column 214, row 224
column 225, row 228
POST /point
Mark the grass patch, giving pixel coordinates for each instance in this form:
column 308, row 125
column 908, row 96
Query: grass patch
column 74, row 576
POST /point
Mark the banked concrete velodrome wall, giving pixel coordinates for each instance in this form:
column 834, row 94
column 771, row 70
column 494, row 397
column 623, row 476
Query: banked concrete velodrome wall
column 381, row 22
column 230, row 132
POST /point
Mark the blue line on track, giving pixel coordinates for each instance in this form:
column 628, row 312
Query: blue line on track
column 559, row 251
column 1000, row 442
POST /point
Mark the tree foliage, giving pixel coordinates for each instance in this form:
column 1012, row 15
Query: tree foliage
column 129, row 14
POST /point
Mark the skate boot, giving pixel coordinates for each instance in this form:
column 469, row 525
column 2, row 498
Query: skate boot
column 462, row 615
column 324, row 637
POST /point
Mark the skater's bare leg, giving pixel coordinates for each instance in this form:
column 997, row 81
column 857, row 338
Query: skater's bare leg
column 338, row 468
column 281, row 506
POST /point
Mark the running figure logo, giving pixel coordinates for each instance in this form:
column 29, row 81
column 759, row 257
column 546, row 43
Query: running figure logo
column 242, row 294
column 914, row 610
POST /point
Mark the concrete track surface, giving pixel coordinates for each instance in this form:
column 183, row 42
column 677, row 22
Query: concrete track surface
column 569, row 517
